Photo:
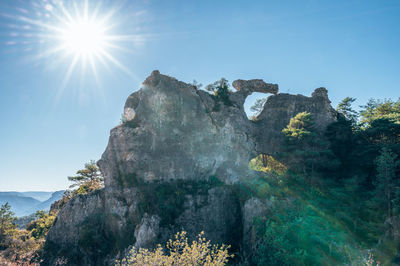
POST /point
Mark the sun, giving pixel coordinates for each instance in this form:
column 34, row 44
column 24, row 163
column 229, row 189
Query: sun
column 81, row 39
column 83, row 34
column 79, row 35
column 84, row 38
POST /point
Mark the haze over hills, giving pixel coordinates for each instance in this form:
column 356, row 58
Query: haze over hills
column 39, row 195
column 26, row 203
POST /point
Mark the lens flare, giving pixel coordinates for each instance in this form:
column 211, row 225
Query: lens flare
column 75, row 35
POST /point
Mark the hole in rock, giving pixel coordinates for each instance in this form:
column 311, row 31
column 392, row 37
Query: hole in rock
column 255, row 100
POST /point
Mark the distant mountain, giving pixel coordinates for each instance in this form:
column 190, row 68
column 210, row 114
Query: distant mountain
column 39, row 195
column 45, row 205
column 20, row 204
column 26, row 203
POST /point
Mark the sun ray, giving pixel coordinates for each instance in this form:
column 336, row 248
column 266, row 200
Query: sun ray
column 67, row 76
column 96, row 76
column 117, row 63
column 74, row 34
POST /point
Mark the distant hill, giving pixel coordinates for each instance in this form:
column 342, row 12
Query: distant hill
column 45, row 205
column 20, row 204
column 39, row 195
column 26, row 203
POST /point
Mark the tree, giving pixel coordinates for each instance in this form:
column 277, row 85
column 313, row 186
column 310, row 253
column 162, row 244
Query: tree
column 376, row 109
column 299, row 134
column 39, row 227
column 258, row 106
column 300, row 128
column 221, row 84
column 196, row 84
column 7, row 225
column 386, row 184
column 344, row 107
column 341, row 142
column 220, row 91
column 180, row 252
column 305, row 148
column 88, row 179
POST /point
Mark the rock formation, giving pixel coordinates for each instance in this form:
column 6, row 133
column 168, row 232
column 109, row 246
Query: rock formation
column 255, row 85
column 175, row 164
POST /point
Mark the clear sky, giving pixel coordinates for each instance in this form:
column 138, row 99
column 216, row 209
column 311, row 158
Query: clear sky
column 56, row 113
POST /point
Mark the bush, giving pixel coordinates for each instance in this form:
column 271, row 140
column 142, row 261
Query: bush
column 41, row 225
column 180, row 252
column 220, row 90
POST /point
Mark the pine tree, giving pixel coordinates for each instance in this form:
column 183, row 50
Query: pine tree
column 88, row 179
column 299, row 134
column 220, row 91
column 304, row 147
column 7, row 225
column 344, row 107
column 386, row 184
column 257, row 107
column 377, row 109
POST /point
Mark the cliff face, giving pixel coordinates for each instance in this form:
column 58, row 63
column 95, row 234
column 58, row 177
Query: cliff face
column 280, row 108
column 175, row 164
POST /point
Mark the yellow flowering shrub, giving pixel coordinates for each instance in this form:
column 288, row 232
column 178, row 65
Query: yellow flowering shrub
column 180, row 252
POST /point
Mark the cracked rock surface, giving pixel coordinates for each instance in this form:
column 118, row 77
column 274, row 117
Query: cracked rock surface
column 180, row 147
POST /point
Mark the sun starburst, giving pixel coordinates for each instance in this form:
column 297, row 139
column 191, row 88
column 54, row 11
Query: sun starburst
column 75, row 33
column 84, row 38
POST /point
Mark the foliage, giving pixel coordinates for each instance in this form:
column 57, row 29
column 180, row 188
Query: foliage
column 220, row 91
column 300, row 128
column 301, row 227
column 22, row 246
column 319, row 212
column 341, row 142
column 387, row 186
column 257, row 107
column 196, row 84
column 87, row 179
column 376, row 109
column 90, row 173
column 354, row 206
column 180, row 252
column 305, row 150
column 7, row 226
column 344, row 108
column 267, row 164
column 39, row 227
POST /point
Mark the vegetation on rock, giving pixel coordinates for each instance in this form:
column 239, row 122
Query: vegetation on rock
column 87, row 179
column 220, row 92
column 352, row 210
column 23, row 246
column 180, row 252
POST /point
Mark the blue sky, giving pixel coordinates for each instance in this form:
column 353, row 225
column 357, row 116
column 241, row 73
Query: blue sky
column 50, row 127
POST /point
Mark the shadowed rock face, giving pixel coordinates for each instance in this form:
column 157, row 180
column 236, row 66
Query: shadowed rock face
column 179, row 147
column 278, row 110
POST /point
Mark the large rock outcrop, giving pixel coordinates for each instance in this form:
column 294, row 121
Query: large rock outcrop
column 175, row 164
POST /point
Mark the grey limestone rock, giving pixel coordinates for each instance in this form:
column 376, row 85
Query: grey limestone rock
column 146, row 232
column 173, row 165
column 255, row 85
